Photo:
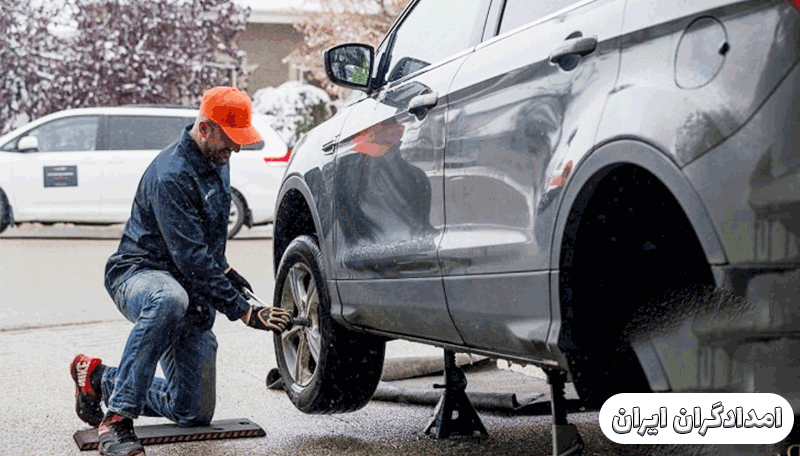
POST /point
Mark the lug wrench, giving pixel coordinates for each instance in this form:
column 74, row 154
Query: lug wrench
column 295, row 321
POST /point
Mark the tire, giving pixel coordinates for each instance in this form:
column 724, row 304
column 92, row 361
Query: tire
column 5, row 212
column 605, row 372
column 326, row 367
column 600, row 355
column 238, row 211
column 613, row 368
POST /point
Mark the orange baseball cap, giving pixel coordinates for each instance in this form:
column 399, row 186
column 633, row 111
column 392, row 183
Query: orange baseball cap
column 232, row 110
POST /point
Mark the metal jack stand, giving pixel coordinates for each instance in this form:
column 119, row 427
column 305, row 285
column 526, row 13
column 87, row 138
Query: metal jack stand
column 566, row 439
column 454, row 415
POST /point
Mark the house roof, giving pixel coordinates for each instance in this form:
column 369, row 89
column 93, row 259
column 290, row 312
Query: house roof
column 279, row 11
column 273, row 16
column 291, row 11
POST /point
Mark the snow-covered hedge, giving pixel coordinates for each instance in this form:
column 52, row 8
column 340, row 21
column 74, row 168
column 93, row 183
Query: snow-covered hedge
column 293, row 108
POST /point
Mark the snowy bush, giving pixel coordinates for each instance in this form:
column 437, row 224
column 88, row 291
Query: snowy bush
column 293, row 108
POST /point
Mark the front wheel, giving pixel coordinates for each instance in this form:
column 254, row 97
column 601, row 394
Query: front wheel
column 5, row 217
column 326, row 367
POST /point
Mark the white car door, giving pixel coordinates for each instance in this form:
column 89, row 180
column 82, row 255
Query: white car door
column 133, row 141
column 60, row 181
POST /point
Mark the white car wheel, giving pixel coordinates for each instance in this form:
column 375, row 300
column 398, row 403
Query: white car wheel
column 236, row 219
column 5, row 215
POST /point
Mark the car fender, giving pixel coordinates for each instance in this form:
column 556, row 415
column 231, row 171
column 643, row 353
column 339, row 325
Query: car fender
column 309, row 172
column 6, row 163
column 296, row 183
column 627, row 151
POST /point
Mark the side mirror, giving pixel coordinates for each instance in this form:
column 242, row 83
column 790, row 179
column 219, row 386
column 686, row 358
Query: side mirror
column 28, row 144
column 350, row 65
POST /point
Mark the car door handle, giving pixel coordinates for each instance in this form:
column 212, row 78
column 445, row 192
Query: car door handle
column 421, row 103
column 573, row 47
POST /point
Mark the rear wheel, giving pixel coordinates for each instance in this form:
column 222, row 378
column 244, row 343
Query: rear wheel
column 236, row 219
column 326, row 367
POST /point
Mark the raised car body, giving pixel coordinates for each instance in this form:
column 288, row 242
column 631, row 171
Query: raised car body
column 530, row 194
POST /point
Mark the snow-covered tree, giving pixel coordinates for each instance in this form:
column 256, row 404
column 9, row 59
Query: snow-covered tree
column 150, row 51
column 28, row 55
column 116, row 52
column 293, row 108
column 341, row 21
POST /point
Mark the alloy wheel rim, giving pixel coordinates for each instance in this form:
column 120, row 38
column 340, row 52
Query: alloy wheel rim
column 301, row 344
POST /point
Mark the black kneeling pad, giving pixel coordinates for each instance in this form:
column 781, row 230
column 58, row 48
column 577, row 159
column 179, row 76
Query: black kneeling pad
column 170, row 433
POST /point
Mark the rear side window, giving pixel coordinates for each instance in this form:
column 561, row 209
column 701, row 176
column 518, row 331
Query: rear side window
column 432, row 31
column 70, row 134
column 520, row 12
column 144, row 132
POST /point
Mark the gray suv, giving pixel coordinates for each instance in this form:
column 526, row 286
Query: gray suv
column 609, row 189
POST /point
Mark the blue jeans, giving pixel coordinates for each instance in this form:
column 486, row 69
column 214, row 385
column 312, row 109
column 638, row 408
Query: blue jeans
column 156, row 303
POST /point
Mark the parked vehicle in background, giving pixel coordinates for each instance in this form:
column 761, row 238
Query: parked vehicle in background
column 83, row 166
column 607, row 188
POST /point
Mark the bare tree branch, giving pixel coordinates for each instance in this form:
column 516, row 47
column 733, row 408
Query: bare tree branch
column 341, row 21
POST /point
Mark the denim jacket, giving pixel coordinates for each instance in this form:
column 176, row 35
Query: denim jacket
column 178, row 224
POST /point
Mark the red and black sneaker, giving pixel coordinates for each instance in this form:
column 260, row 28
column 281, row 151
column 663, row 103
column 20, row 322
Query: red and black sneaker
column 87, row 388
column 116, row 436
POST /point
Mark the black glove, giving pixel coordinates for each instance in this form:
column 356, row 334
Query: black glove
column 238, row 282
column 267, row 318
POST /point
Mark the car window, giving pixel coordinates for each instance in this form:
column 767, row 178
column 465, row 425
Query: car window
column 520, row 12
column 144, row 132
column 432, row 31
column 10, row 146
column 71, row 134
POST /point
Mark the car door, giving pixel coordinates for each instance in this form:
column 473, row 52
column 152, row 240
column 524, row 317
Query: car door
column 132, row 142
column 523, row 107
column 388, row 175
column 60, row 181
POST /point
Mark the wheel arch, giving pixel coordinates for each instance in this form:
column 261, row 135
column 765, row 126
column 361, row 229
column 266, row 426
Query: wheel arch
column 628, row 151
column 589, row 174
column 297, row 197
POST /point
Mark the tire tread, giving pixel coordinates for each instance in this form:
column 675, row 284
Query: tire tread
column 352, row 362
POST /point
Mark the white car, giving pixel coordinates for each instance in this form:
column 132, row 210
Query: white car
column 83, row 166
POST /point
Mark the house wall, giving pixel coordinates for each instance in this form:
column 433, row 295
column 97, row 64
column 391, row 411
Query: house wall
column 267, row 45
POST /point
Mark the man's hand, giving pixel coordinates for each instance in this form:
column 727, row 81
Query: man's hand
column 238, row 282
column 267, row 318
